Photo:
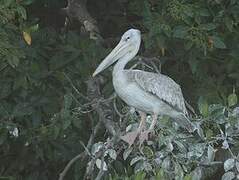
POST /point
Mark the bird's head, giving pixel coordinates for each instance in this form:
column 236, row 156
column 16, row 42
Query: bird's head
column 128, row 46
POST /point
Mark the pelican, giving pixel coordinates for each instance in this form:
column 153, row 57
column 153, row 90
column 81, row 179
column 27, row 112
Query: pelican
column 149, row 93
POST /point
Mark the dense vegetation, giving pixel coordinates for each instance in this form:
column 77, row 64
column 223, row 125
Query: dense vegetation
column 52, row 110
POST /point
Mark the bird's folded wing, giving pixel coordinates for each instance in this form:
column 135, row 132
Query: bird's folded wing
column 160, row 85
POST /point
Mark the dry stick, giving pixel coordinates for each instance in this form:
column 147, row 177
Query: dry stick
column 105, row 113
column 81, row 155
column 116, row 110
column 103, row 110
column 76, row 90
column 63, row 173
column 142, row 60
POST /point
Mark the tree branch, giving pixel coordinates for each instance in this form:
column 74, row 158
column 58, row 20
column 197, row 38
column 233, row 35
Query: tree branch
column 76, row 9
column 81, row 155
column 105, row 114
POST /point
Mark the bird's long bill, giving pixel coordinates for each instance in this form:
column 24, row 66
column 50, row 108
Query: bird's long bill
column 119, row 51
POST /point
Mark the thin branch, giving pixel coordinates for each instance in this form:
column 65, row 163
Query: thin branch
column 81, row 155
column 73, row 86
column 117, row 111
column 143, row 61
column 72, row 161
column 4, row 67
column 104, row 111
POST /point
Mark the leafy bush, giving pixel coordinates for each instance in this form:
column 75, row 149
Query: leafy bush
column 52, row 111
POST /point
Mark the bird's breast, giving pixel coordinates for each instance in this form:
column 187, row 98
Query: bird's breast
column 135, row 96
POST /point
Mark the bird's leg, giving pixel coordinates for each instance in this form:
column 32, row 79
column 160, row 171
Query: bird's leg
column 153, row 123
column 142, row 124
column 144, row 135
column 131, row 136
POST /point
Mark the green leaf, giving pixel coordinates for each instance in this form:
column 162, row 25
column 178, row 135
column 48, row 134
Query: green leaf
column 147, row 14
column 33, row 28
column 197, row 173
column 3, row 136
column 180, row 32
column 27, row 2
column 148, row 152
column 218, row 43
column 100, row 163
column 193, row 65
column 7, row 3
column 208, row 27
column 188, row 45
column 112, row 154
column 136, row 159
column 21, row 81
column 77, row 123
column 13, row 61
column 210, row 153
column 5, row 90
column 209, row 133
column 127, row 153
column 140, row 176
column 228, row 175
column 66, row 122
column 22, row 12
column 237, row 165
column 187, row 177
column 160, row 175
column 229, row 24
column 56, row 132
column 178, row 172
column 96, row 148
column 203, row 106
column 67, row 101
column 166, row 164
column 232, row 99
column 229, row 164
column 204, row 12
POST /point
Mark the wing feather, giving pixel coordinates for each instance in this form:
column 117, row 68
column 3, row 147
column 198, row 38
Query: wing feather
column 160, row 85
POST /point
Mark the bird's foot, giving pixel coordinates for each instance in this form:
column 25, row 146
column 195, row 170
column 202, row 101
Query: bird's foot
column 144, row 136
column 130, row 137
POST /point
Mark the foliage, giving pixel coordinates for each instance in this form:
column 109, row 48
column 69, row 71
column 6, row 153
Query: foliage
column 46, row 117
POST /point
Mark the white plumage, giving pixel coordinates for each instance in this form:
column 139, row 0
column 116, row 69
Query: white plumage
column 147, row 92
column 161, row 86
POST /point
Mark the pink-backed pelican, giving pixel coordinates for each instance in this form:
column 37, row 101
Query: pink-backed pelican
column 149, row 93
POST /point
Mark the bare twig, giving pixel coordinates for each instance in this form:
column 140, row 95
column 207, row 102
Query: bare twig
column 83, row 154
column 72, row 161
column 105, row 113
column 116, row 110
column 143, row 61
column 103, row 108
column 73, row 86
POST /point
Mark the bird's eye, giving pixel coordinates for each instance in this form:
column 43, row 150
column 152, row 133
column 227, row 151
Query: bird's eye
column 127, row 38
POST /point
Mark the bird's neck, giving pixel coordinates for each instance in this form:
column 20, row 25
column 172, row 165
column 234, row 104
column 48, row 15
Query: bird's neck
column 120, row 65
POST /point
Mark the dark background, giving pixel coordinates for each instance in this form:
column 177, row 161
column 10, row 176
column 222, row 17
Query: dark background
column 45, row 66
